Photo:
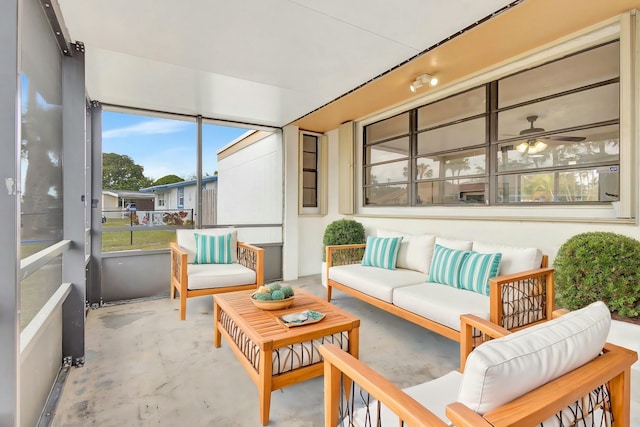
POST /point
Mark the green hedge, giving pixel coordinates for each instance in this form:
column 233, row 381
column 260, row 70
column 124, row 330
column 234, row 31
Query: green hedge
column 342, row 232
column 599, row 266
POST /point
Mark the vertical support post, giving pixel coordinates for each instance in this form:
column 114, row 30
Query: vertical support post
column 198, row 213
column 9, row 211
column 74, row 263
column 95, row 281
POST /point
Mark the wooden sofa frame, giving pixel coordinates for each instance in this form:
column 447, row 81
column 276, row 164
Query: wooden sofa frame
column 248, row 255
column 505, row 291
column 613, row 367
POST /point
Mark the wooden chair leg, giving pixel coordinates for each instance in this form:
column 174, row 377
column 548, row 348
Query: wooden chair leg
column 328, row 293
column 172, row 291
column 183, row 306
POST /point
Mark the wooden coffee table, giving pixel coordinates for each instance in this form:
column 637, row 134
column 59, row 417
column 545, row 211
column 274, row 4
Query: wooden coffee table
column 274, row 355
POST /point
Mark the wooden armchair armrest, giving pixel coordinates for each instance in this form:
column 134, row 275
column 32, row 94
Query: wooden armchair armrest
column 522, row 299
column 474, row 331
column 337, row 362
column 252, row 257
column 178, row 265
column 344, row 254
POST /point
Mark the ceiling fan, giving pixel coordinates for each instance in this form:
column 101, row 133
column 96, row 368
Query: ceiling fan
column 535, row 145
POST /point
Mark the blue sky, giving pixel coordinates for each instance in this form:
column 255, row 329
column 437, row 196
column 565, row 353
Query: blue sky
column 164, row 146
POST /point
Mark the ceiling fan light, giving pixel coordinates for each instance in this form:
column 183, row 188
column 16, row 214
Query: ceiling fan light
column 522, row 147
column 539, row 146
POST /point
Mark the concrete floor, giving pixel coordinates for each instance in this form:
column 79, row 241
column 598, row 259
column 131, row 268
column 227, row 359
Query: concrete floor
column 145, row 367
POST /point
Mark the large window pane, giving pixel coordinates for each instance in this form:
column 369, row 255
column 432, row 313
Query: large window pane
column 389, row 128
column 582, row 108
column 460, row 135
column 386, row 195
column 149, row 179
column 600, row 184
column 36, row 290
column 457, row 107
column 388, row 172
column 214, row 138
column 386, row 151
column 576, row 71
column 41, row 117
column 461, row 163
column 600, row 145
column 454, row 191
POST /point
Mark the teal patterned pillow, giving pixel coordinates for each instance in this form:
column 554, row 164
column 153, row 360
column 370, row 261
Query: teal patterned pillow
column 445, row 266
column 213, row 249
column 476, row 271
column 382, row 252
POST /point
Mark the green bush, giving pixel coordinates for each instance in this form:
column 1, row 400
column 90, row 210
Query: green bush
column 342, row 232
column 599, row 266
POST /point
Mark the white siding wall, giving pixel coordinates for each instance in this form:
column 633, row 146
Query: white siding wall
column 250, row 189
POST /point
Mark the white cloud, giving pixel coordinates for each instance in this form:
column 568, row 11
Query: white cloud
column 150, row 127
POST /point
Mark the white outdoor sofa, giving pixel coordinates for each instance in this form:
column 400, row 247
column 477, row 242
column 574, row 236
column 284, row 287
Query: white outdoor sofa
column 520, row 295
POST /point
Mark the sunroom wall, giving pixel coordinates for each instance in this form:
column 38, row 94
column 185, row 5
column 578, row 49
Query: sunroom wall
column 546, row 227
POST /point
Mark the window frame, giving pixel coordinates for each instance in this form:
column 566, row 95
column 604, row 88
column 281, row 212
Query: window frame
column 617, row 28
column 320, row 171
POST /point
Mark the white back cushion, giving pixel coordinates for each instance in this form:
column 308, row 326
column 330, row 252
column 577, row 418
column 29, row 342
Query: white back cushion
column 184, row 238
column 514, row 259
column 501, row 370
column 416, row 250
column 459, row 245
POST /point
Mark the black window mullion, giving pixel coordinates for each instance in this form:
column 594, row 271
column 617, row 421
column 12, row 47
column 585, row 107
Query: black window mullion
column 492, row 137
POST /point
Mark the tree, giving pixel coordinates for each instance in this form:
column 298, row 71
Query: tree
column 119, row 172
column 168, row 179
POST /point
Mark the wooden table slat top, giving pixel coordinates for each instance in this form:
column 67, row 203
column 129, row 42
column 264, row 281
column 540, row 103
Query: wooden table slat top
column 266, row 331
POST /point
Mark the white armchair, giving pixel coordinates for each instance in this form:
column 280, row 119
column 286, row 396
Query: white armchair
column 246, row 270
column 556, row 373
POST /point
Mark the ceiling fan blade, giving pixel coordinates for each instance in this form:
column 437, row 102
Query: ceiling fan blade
column 564, row 138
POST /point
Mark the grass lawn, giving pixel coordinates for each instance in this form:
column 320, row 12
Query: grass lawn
column 141, row 238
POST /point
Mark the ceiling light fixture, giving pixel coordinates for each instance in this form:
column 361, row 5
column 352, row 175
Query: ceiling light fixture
column 531, row 146
column 422, row 80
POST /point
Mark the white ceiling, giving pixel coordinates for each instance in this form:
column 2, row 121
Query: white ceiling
column 264, row 62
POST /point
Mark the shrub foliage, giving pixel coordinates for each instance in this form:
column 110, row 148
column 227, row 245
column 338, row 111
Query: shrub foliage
column 599, row 266
column 342, row 232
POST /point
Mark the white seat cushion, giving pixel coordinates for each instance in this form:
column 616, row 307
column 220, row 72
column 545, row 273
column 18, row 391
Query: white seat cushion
column 503, row 369
column 205, row 276
column 376, row 282
column 434, row 395
column 415, row 251
column 514, row 259
column 185, row 239
column 441, row 303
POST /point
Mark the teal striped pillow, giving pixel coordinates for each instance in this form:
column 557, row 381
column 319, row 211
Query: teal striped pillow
column 213, row 249
column 476, row 271
column 445, row 265
column 382, row 252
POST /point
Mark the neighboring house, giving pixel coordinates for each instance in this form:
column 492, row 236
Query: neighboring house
column 117, row 200
column 182, row 195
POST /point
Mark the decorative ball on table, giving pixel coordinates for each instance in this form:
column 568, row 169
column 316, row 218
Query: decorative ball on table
column 273, row 297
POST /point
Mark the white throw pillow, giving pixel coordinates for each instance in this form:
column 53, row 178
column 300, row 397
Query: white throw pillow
column 459, row 245
column 503, row 369
column 186, row 240
column 416, row 250
column 514, row 259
